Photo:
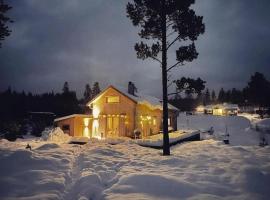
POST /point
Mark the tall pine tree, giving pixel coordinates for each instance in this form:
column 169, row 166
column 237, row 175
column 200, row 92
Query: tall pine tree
column 207, row 97
column 221, row 95
column 213, row 96
column 95, row 90
column 4, row 30
column 166, row 22
column 87, row 93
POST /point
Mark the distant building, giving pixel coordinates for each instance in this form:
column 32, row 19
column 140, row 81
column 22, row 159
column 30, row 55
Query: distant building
column 219, row 109
column 116, row 113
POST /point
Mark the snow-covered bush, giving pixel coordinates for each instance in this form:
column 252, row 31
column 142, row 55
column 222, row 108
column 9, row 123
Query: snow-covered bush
column 55, row 135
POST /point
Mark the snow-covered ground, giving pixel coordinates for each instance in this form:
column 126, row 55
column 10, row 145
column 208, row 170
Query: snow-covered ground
column 239, row 127
column 205, row 169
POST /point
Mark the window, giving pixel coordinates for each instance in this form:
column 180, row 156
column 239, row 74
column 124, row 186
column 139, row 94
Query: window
column 112, row 123
column 113, row 99
column 109, row 123
column 169, row 121
column 66, row 128
column 154, row 121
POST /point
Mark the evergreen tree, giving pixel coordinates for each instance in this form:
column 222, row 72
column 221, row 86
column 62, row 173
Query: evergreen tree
column 87, row 93
column 166, row 22
column 228, row 96
column 4, row 30
column 258, row 90
column 221, row 95
column 95, row 90
column 65, row 88
column 207, row 97
column 213, row 96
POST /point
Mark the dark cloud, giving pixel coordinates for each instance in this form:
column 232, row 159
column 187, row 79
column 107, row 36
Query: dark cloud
column 92, row 40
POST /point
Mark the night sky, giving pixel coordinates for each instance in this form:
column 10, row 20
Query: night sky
column 83, row 41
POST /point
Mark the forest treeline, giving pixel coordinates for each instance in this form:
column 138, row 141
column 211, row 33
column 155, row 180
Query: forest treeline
column 190, row 93
column 17, row 105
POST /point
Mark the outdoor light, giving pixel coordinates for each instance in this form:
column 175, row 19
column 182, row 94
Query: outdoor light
column 96, row 111
column 86, row 121
column 86, row 132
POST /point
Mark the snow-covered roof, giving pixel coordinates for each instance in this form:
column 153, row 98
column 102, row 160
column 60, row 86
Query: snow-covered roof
column 71, row 116
column 150, row 101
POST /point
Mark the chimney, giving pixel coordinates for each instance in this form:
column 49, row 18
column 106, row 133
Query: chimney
column 131, row 88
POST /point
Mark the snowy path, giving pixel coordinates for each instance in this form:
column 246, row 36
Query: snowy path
column 74, row 174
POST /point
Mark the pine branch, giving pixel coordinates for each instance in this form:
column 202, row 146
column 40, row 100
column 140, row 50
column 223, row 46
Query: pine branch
column 173, row 42
column 174, row 93
column 171, row 33
column 174, row 65
column 170, row 84
column 169, row 24
column 156, row 59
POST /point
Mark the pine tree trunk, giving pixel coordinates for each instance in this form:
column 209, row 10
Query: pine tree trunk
column 166, row 144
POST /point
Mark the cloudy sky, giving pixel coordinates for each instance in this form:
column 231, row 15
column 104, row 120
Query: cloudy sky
column 83, row 41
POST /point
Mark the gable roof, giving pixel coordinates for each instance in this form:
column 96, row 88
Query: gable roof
column 150, row 101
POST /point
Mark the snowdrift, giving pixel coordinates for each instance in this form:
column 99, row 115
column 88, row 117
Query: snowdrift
column 55, row 135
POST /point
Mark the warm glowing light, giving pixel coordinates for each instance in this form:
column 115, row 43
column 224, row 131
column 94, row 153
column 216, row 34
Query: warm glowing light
column 95, row 132
column 148, row 117
column 96, row 111
column 154, row 122
column 200, row 109
column 86, row 132
column 86, row 121
column 218, row 111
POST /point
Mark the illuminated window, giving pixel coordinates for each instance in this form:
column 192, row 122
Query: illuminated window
column 169, row 121
column 112, row 123
column 154, row 121
column 109, row 123
column 113, row 99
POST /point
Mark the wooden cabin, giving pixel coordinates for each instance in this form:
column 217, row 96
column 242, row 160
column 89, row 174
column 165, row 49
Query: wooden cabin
column 119, row 113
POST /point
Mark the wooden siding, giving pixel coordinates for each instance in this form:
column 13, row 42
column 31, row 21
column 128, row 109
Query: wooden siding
column 77, row 125
column 145, row 118
column 126, row 107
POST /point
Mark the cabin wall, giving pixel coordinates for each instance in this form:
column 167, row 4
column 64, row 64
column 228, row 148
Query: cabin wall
column 173, row 114
column 148, row 121
column 79, row 126
column 123, row 112
column 67, row 122
column 83, row 126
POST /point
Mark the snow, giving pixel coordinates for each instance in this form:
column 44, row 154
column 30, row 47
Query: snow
column 157, row 140
column 257, row 123
column 206, row 169
column 238, row 127
column 55, row 135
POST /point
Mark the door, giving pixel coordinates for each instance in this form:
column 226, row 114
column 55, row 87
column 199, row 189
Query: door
column 112, row 126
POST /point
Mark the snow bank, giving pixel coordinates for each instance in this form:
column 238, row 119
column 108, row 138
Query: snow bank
column 197, row 170
column 257, row 123
column 55, row 135
column 147, row 186
column 205, row 169
column 238, row 127
column 117, row 140
column 262, row 125
column 33, row 174
column 157, row 140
